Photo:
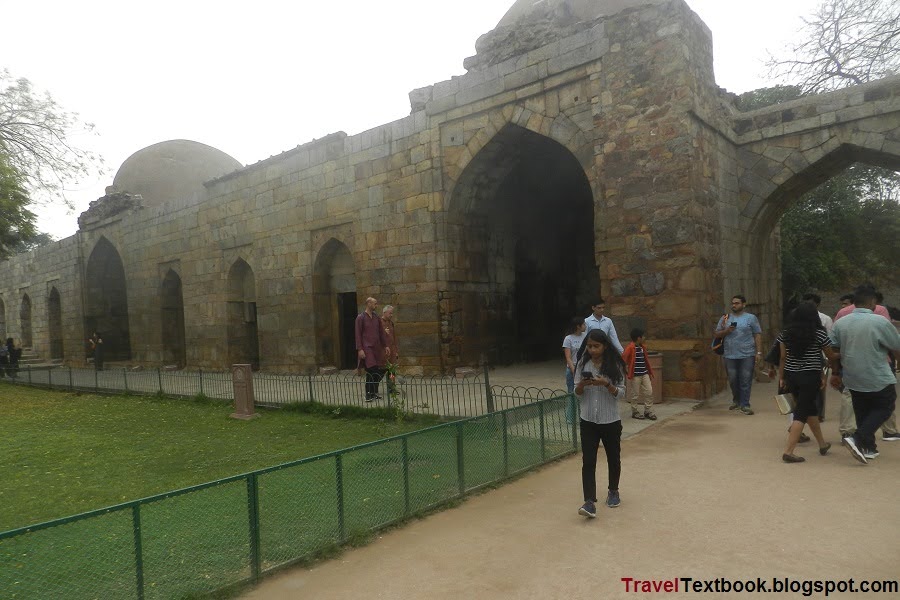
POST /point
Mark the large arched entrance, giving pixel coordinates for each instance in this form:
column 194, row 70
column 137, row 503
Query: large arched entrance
column 25, row 321
column 106, row 301
column 764, row 289
column 243, row 335
column 172, row 319
column 521, row 242
column 54, row 322
column 335, row 305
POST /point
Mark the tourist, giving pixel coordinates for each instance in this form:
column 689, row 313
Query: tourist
column 847, row 424
column 639, row 374
column 864, row 340
column 571, row 345
column 371, row 347
column 743, row 347
column 13, row 354
column 599, row 382
column 96, row 344
column 800, row 373
column 827, row 323
column 392, row 353
column 597, row 321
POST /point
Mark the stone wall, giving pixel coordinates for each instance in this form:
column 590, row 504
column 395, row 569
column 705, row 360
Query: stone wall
column 602, row 146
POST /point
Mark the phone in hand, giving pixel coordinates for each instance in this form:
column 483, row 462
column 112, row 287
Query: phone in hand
column 733, row 324
column 587, row 375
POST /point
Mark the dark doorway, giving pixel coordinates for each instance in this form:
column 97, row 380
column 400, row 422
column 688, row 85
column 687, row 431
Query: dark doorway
column 106, row 301
column 521, row 240
column 346, row 302
column 243, row 334
column 3, row 335
column 334, row 305
column 172, row 320
column 54, row 320
column 25, row 321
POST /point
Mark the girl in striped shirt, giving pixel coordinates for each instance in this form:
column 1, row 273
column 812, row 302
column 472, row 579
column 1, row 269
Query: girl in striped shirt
column 801, row 345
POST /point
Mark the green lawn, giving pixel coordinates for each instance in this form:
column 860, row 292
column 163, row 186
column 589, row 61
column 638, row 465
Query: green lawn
column 64, row 454
column 72, row 448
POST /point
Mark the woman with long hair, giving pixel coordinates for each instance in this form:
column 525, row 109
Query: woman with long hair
column 800, row 372
column 599, row 383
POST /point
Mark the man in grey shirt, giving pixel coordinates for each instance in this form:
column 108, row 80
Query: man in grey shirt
column 864, row 340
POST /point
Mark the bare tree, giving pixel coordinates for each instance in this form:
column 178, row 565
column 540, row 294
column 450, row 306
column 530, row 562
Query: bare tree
column 35, row 135
column 845, row 42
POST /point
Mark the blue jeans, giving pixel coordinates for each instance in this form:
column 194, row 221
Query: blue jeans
column 740, row 378
column 570, row 381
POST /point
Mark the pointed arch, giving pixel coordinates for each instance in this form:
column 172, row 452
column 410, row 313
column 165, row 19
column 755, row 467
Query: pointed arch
column 521, row 253
column 25, row 322
column 106, row 300
column 241, row 315
column 172, row 319
column 54, row 324
column 335, row 305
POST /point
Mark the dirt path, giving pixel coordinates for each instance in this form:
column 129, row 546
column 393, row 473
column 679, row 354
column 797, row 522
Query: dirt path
column 704, row 495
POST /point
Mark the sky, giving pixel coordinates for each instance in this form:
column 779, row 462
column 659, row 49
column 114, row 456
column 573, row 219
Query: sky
column 256, row 79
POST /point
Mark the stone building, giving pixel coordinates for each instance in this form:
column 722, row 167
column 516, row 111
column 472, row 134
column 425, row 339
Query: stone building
column 587, row 150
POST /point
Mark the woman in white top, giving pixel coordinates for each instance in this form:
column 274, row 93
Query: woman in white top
column 599, row 382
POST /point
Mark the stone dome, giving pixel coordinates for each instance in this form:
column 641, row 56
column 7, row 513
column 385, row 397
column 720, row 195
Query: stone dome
column 172, row 170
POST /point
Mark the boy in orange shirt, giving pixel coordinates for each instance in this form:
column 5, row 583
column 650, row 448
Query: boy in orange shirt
column 639, row 373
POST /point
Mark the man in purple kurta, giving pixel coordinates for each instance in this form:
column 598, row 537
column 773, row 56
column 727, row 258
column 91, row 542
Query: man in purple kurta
column 371, row 348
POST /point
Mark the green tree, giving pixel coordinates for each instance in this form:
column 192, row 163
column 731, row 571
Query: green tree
column 35, row 134
column 16, row 221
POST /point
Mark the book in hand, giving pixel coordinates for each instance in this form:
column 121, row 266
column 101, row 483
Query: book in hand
column 786, row 403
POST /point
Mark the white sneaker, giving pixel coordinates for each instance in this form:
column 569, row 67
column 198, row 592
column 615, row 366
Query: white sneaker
column 870, row 454
column 850, row 444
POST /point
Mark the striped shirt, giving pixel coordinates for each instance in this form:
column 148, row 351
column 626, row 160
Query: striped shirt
column 811, row 360
column 598, row 405
column 640, row 363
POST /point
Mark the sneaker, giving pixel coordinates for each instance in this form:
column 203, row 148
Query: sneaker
column 588, row 510
column 846, row 434
column 850, row 444
column 803, row 438
column 746, row 410
column 823, row 450
column 370, row 398
column 612, row 499
column 636, row 415
column 650, row 415
column 734, row 405
column 870, row 454
column 791, row 458
column 890, row 437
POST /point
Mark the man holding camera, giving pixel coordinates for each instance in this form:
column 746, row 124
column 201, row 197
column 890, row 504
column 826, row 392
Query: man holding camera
column 742, row 336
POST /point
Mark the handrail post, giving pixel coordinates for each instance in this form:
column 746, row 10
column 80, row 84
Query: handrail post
column 405, row 460
column 71, row 381
column 125, row 378
column 138, row 550
column 505, row 445
column 339, row 479
column 460, row 459
column 159, row 378
column 28, row 368
column 543, row 435
column 253, row 514
column 487, row 390
column 309, row 379
column 201, row 380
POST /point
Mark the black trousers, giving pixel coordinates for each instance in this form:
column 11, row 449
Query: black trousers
column 871, row 410
column 591, row 436
column 373, row 378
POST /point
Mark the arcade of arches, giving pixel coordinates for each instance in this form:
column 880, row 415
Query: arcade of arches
column 584, row 152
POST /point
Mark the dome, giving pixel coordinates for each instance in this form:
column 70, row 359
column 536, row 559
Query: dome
column 172, row 170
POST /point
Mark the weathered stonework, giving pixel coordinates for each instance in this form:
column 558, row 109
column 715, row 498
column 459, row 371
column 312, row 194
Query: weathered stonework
column 587, row 150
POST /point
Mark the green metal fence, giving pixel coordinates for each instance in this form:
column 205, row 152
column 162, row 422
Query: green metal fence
column 438, row 395
column 225, row 532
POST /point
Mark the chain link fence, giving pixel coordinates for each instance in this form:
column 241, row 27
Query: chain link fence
column 449, row 397
column 207, row 537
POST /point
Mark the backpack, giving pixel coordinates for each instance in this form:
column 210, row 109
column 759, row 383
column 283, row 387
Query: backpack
column 718, row 344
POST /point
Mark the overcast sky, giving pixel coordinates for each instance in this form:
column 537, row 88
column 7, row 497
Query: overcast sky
column 255, row 79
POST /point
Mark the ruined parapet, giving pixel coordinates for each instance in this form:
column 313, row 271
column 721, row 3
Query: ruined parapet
column 110, row 205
